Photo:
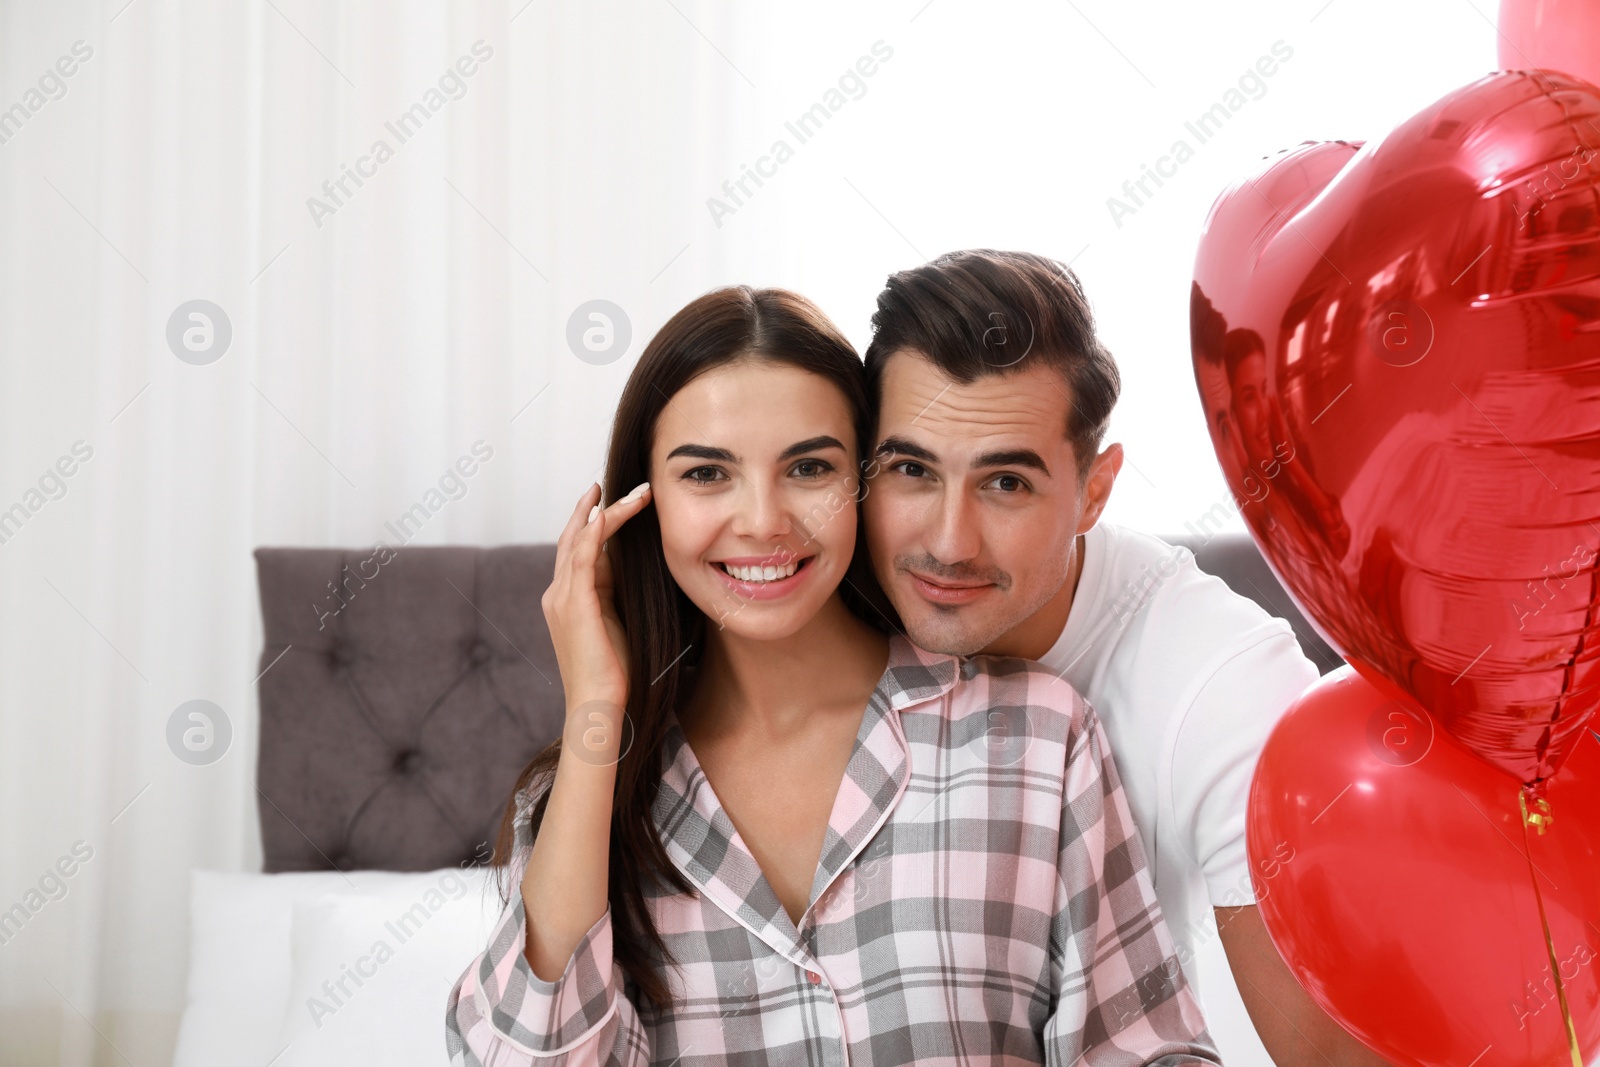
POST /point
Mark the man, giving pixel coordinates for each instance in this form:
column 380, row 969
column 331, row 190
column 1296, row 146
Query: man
column 1259, row 416
column 982, row 509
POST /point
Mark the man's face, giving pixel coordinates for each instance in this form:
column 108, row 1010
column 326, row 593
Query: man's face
column 973, row 502
column 1249, row 382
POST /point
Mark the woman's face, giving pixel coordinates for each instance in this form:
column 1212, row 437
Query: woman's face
column 753, row 474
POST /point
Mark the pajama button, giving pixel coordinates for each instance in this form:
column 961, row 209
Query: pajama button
column 814, row 977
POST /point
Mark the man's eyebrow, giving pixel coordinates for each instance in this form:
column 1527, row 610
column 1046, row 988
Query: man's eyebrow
column 811, row 444
column 702, row 452
column 899, row 446
column 1013, row 457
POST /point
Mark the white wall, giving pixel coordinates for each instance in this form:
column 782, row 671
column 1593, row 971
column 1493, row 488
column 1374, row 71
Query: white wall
column 369, row 351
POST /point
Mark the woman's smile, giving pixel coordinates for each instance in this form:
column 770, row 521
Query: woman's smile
column 763, row 577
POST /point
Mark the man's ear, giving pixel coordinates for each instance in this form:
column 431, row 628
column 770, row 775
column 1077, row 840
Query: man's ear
column 1097, row 487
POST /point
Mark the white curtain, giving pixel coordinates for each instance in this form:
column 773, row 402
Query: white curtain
column 376, row 337
column 380, row 332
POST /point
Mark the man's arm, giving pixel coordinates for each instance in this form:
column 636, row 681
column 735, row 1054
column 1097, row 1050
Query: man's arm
column 1219, row 743
column 1293, row 1029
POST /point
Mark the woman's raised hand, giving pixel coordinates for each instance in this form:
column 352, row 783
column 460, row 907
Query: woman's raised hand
column 564, row 881
column 591, row 648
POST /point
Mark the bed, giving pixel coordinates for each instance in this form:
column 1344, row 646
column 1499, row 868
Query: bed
column 401, row 692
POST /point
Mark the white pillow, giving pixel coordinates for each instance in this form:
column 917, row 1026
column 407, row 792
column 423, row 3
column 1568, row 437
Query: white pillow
column 239, row 956
column 370, row 975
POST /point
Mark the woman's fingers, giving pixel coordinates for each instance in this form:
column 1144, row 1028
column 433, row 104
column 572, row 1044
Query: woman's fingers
column 611, row 520
column 607, row 521
column 578, row 603
column 620, row 512
column 579, row 516
column 560, row 578
column 570, row 535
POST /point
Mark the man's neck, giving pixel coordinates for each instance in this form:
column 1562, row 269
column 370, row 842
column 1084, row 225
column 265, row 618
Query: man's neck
column 1036, row 635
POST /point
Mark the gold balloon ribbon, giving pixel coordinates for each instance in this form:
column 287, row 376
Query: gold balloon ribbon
column 1541, row 820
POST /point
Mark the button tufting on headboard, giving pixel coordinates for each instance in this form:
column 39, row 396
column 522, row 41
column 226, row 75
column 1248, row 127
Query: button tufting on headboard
column 398, row 702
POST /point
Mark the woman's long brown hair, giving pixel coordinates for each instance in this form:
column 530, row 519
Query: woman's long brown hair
column 666, row 632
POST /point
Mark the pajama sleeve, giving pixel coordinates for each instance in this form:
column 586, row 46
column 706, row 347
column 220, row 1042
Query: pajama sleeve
column 501, row 1014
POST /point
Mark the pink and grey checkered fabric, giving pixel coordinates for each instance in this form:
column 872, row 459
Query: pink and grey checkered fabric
column 982, row 897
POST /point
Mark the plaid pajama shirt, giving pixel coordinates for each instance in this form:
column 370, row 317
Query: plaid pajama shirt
column 982, row 897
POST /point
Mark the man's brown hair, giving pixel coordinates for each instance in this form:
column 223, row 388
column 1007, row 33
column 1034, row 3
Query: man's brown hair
column 981, row 312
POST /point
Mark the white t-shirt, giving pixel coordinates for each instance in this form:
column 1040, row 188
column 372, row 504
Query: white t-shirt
column 1189, row 678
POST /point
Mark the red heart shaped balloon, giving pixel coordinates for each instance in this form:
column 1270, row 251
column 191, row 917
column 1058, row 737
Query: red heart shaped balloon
column 1397, row 345
column 1554, row 34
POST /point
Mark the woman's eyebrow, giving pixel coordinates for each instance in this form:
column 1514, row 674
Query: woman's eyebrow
column 811, row 444
column 702, row 452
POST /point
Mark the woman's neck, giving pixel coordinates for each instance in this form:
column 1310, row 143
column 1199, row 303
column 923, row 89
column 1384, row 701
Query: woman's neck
column 773, row 690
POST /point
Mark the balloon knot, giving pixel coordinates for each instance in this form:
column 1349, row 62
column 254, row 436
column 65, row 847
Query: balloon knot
column 1535, row 808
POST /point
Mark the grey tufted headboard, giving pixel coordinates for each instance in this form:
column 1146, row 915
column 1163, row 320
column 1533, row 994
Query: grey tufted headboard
column 403, row 691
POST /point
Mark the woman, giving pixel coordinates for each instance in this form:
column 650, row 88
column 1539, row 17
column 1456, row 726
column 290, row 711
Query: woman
column 806, row 840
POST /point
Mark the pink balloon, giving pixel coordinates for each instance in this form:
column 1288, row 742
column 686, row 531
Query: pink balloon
column 1559, row 35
